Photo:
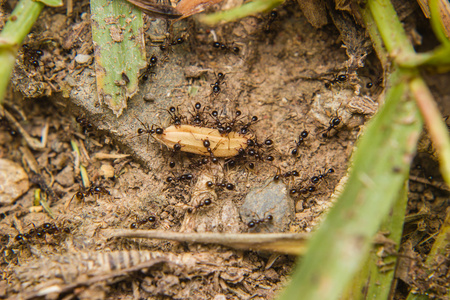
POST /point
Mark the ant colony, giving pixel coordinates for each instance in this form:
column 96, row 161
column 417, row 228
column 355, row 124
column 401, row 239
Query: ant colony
column 214, row 147
column 204, row 145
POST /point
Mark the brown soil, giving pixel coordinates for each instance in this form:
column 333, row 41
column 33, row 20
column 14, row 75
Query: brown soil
column 287, row 76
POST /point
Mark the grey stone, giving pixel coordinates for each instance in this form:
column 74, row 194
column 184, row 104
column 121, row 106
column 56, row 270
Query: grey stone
column 270, row 199
column 82, row 58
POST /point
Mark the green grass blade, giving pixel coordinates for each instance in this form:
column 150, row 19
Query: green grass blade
column 377, row 275
column 380, row 167
column 53, row 3
column 24, row 15
column 118, row 35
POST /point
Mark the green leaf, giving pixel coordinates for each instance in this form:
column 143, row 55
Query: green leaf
column 52, row 3
column 118, row 35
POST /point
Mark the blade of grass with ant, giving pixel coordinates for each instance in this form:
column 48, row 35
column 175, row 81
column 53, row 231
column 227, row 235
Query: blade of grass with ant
column 380, row 167
column 118, row 35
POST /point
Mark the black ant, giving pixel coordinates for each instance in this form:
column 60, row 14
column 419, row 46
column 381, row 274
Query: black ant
column 41, row 231
column 21, row 238
column 93, row 190
column 288, row 174
column 86, row 126
column 230, row 163
column 245, row 128
column 231, row 125
column 167, row 46
column 301, row 139
column 176, row 148
column 302, row 190
column 197, row 116
column 138, row 223
column 148, row 70
column 182, row 178
column 207, row 145
column 272, row 17
column 199, row 163
column 175, row 116
column 32, row 56
column 370, row 84
column 316, row 179
column 223, row 128
column 338, row 79
column 203, row 203
column 216, row 85
column 333, row 124
column 224, row 47
column 255, row 222
column 148, row 130
column 225, row 185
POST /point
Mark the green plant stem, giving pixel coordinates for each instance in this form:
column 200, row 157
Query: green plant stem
column 436, row 23
column 378, row 272
column 16, row 29
column 377, row 42
column 398, row 46
column 397, row 42
column 390, row 28
column 436, row 127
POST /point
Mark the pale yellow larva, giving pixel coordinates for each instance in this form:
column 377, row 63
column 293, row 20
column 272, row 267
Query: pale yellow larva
column 191, row 139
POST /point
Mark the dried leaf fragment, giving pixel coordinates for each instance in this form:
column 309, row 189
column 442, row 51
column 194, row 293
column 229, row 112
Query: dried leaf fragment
column 315, row 12
column 157, row 10
column 192, row 7
column 184, row 8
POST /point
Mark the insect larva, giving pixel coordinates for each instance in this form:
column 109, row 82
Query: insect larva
column 191, row 139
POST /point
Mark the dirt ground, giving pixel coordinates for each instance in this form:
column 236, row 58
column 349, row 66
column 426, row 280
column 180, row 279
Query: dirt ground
column 293, row 77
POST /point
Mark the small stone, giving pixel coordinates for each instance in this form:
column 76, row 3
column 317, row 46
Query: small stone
column 149, row 97
column 13, row 181
column 194, row 72
column 82, row 58
column 66, row 177
column 271, row 199
column 106, row 171
column 299, row 206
